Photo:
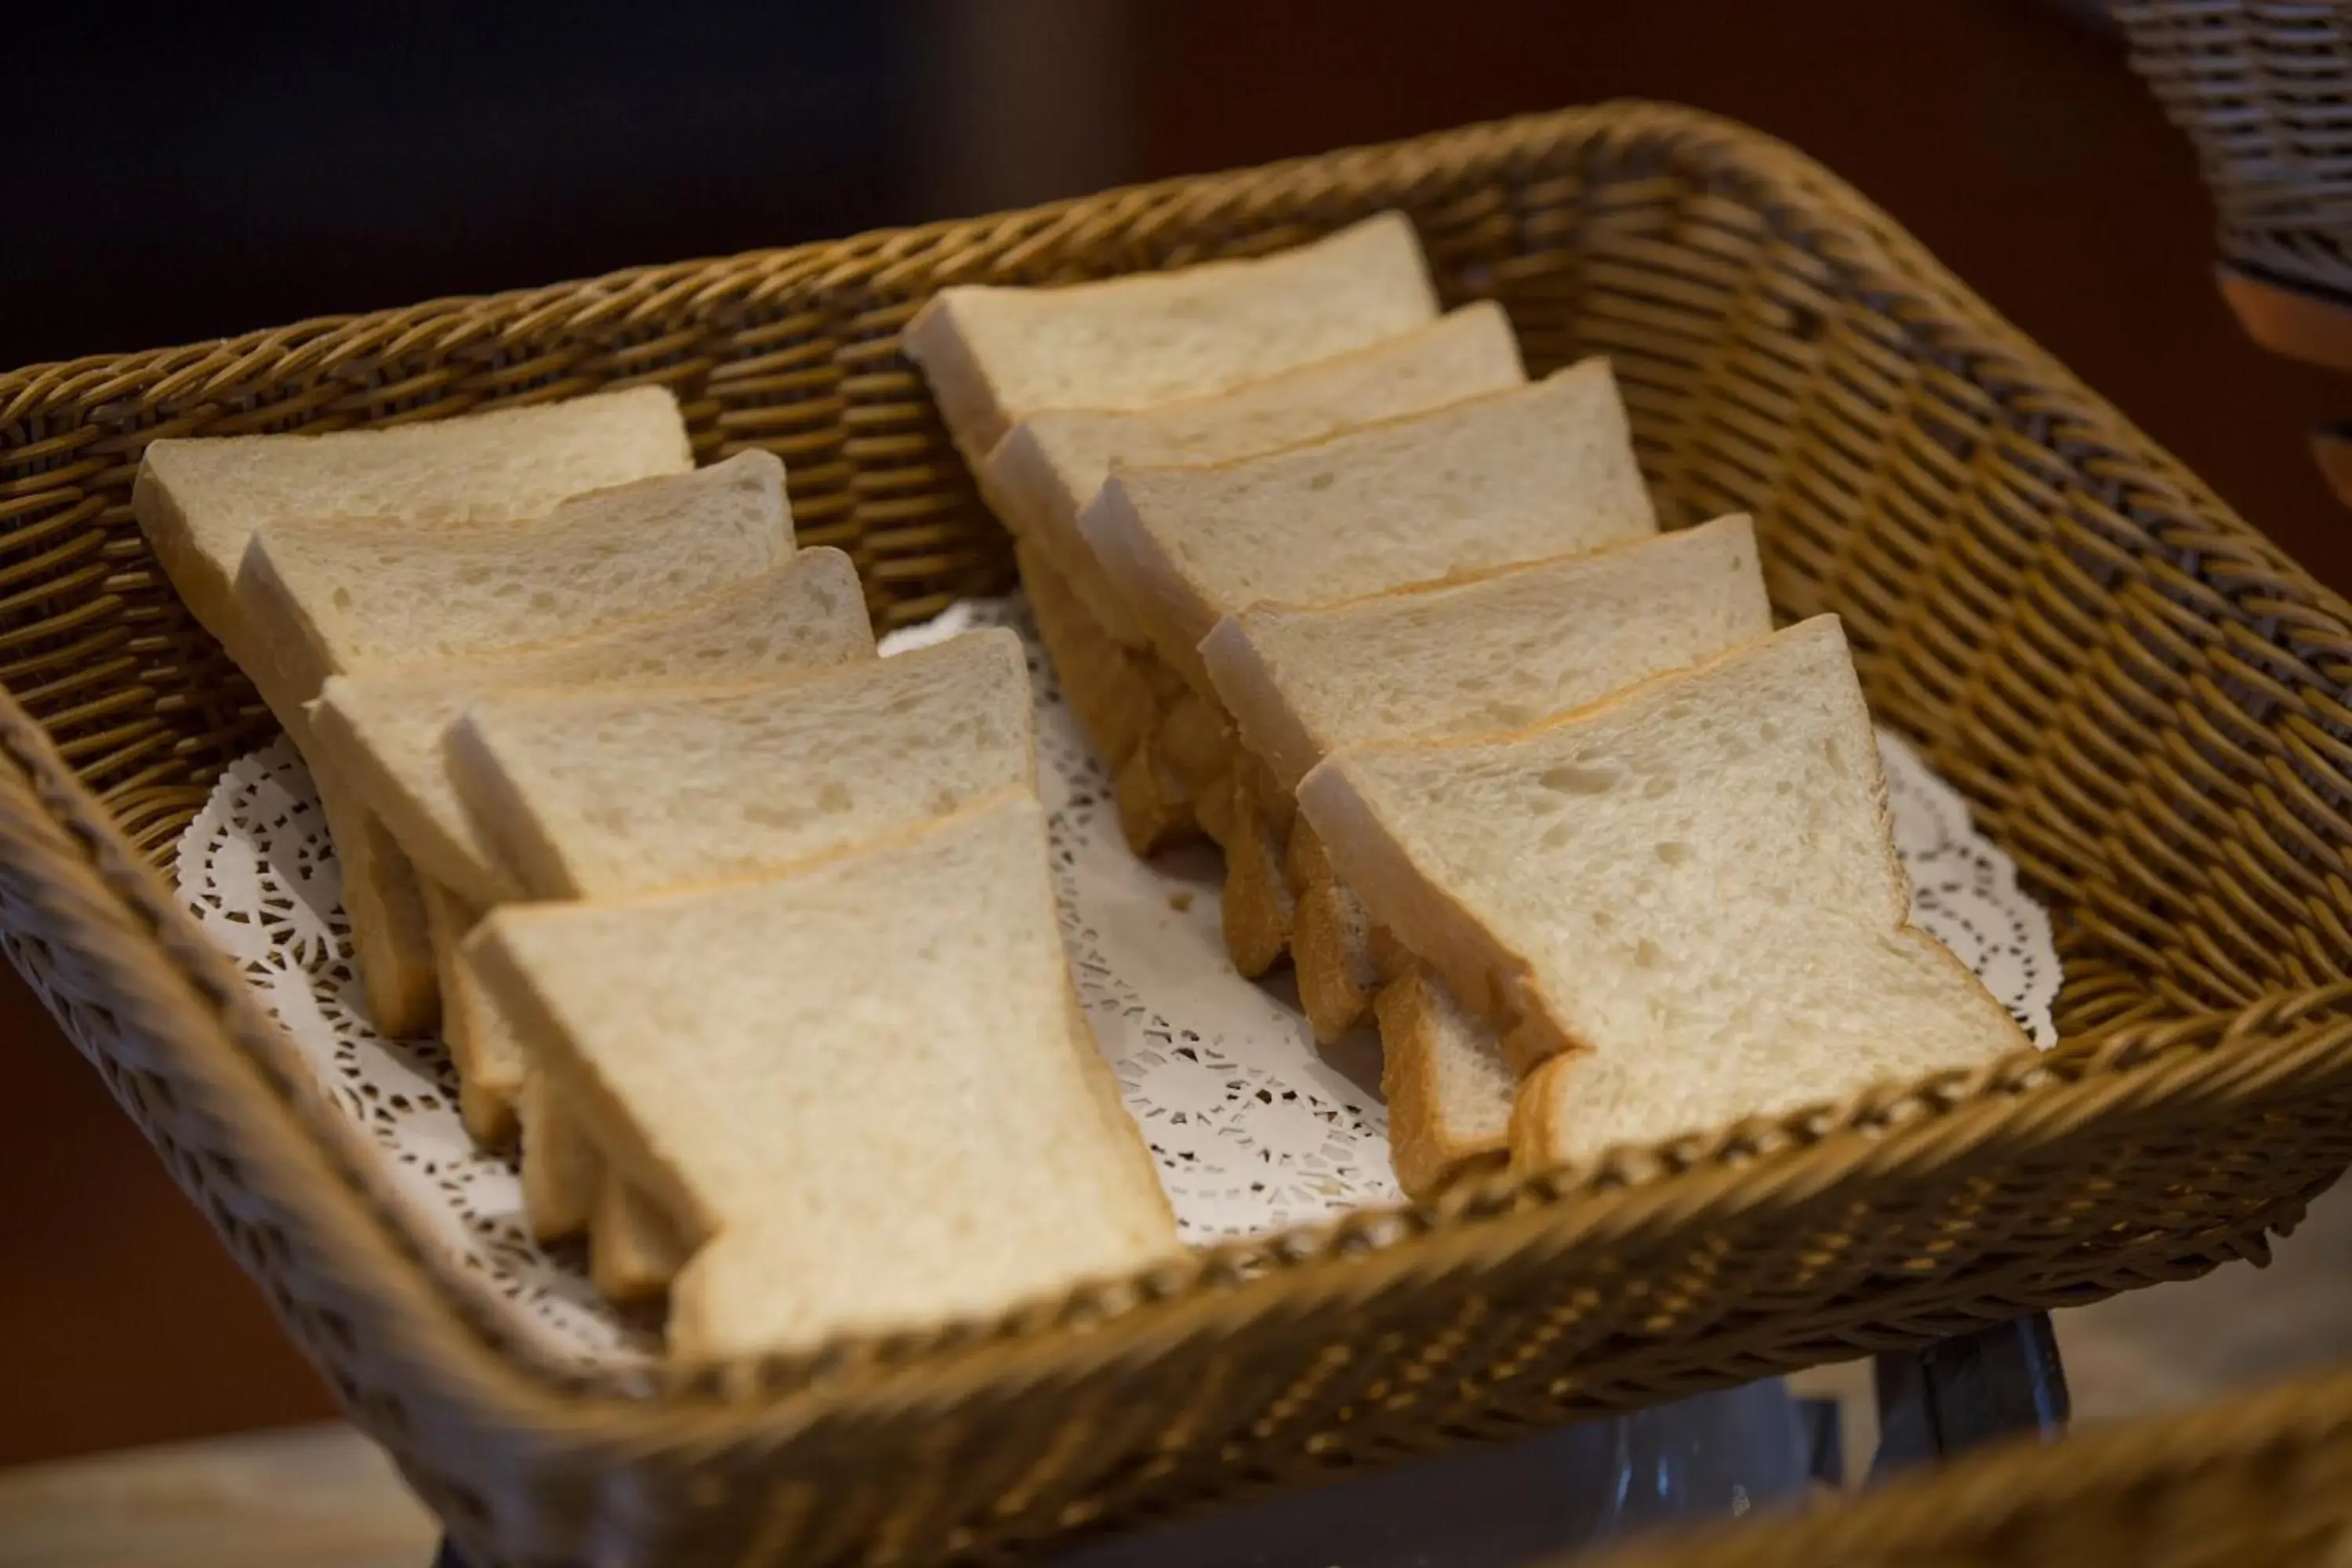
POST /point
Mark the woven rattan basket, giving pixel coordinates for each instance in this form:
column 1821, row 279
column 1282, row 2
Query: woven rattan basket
column 2259, row 1482
column 2144, row 699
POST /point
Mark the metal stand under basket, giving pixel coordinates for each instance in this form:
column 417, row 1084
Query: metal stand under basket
column 1717, row 1456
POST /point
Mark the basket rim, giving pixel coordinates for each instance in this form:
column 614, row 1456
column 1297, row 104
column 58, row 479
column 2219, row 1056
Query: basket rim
column 1755, row 1164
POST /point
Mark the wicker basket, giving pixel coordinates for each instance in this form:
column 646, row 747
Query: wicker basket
column 2259, row 1482
column 2144, row 699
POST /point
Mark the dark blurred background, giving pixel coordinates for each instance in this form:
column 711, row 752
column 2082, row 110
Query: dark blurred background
column 204, row 170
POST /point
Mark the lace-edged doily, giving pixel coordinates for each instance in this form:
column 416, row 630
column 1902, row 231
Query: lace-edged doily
column 257, row 870
column 1253, row 1127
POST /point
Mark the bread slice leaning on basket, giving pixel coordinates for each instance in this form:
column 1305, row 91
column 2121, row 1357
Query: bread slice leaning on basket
column 862, row 1088
column 591, row 794
column 339, row 598
column 1675, row 909
column 1221, row 358
column 199, row 501
column 1521, row 475
column 386, row 730
column 1044, row 474
column 1493, row 654
column 993, row 354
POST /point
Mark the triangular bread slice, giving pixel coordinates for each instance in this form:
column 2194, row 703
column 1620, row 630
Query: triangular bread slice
column 596, row 793
column 384, row 900
column 199, row 501
column 499, row 1094
column 489, row 1063
column 604, row 793
column 1448, row 1088
column 1678, row 908
column 858, row 1089
column 1043, row 474
column 322, row 598
column 342, row 598
column 1537, row 472
column 634, row 1249
column 1114, row 690
column 993, row 354
column 1456, row 659
column 564, row 1166
column 385, row 731
column 1497, row 652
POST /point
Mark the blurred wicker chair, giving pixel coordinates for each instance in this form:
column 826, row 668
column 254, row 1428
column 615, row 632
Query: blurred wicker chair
column 2264, row 87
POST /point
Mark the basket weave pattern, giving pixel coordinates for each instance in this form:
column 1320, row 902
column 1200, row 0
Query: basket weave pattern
column 2144, row 699
column 2264, row 87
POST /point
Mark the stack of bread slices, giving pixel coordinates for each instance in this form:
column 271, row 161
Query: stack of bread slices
column 747, row 934
column 1493, row 760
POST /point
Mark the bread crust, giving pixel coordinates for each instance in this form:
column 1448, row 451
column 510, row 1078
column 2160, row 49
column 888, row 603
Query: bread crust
column 1553, row 1117
column 1435, row 1138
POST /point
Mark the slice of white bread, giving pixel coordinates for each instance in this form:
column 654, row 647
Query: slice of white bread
column 385, row 731
column 199, row 502
column 489, row 1061
column 593, row 794
column 993, row 355
column 1678, row 908
column 342, row 598
column 1537, row 472
column 563, row 1165
column 320, row 598
column 392, row 941
column 1112, row 689
column 1496, row 653
column 858, row 1089
column 633, row 1250
column 1043, row 474
column 1448, row 1088
column 601, row 794
column 1493, row 655
column 499, row 1094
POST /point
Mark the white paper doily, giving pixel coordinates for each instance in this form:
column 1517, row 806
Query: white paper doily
column 1253, row 1127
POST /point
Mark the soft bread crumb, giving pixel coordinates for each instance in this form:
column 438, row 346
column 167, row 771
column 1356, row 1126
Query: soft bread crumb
column 1687, row 894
